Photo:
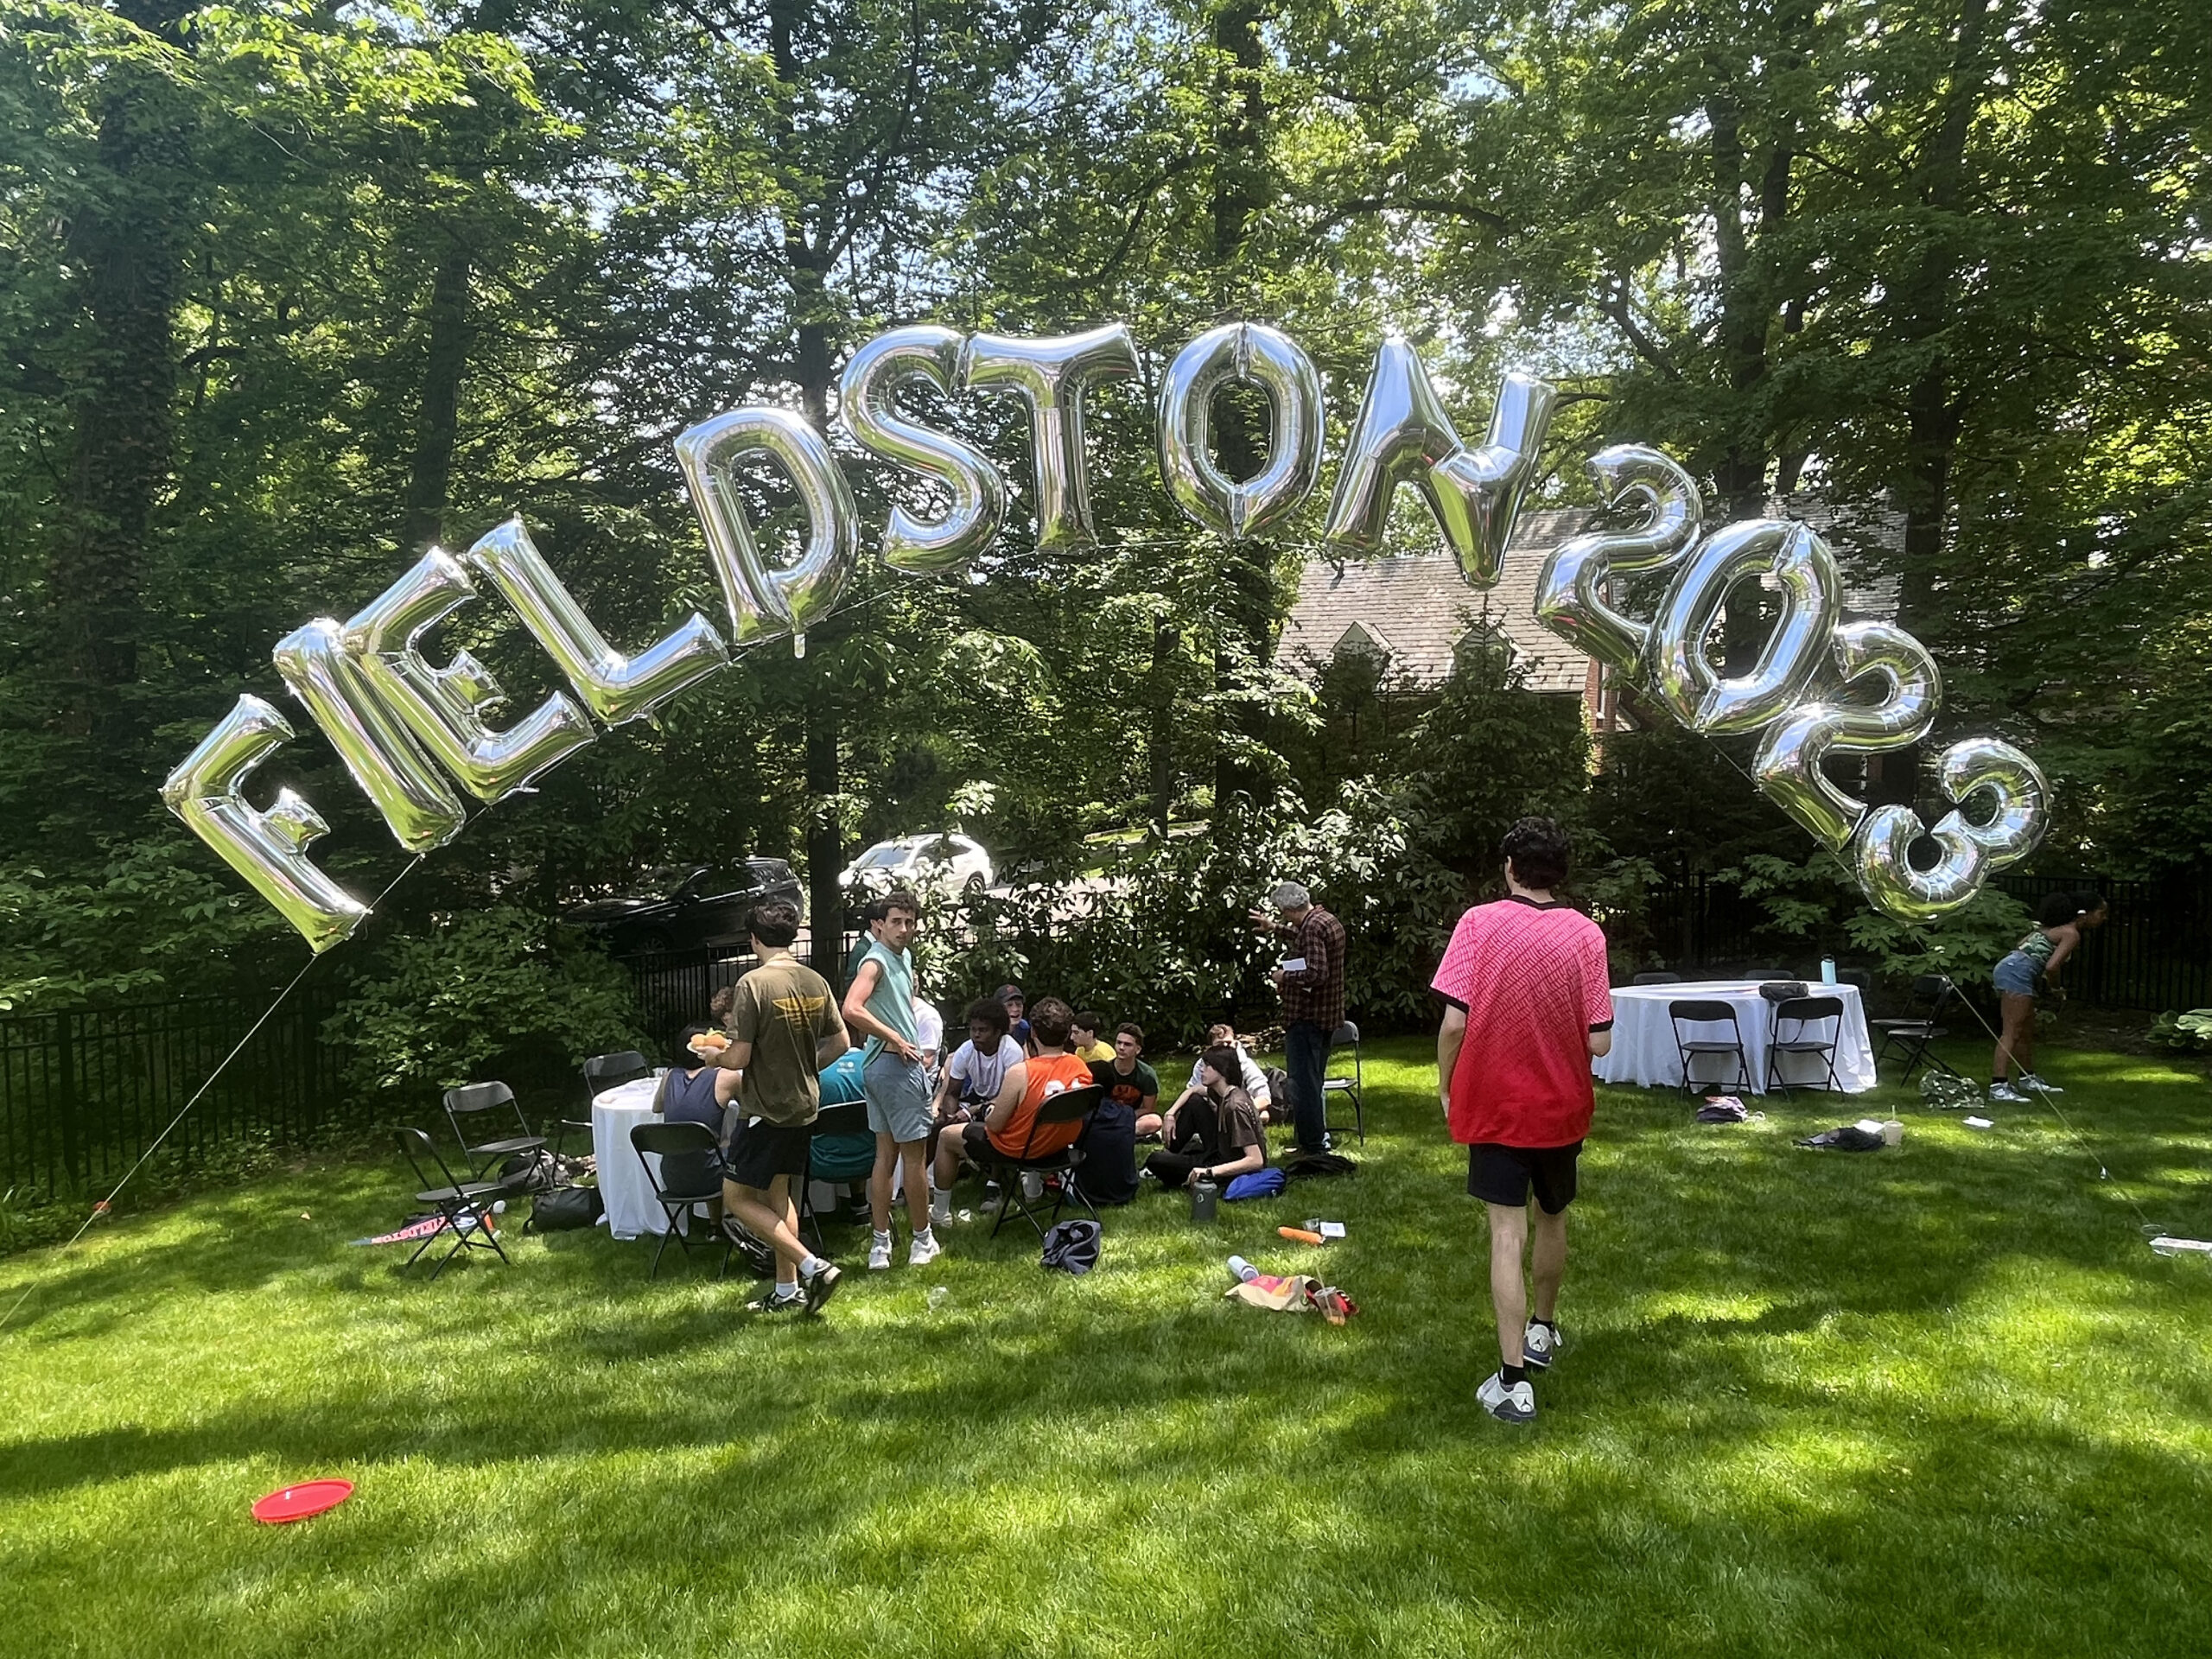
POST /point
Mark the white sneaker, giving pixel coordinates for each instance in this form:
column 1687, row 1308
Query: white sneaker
column 924, row 1250
column 1516, row 1404
column 1539, row 1346
column 2030, row 1080
column 879, row 1252
column 2005, row 1093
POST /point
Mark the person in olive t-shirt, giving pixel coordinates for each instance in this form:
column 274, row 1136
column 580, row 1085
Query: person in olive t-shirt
column 783, row 1028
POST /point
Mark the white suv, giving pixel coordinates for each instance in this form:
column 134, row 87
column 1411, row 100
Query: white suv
column 940, row 860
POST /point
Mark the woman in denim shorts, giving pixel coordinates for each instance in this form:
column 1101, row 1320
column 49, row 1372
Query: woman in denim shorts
column 2058, row 932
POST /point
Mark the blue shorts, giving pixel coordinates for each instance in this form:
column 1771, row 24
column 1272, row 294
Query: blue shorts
column 897, row 1097
column 2016, row 975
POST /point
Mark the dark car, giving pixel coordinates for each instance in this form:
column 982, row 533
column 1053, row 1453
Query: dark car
column 704, row 904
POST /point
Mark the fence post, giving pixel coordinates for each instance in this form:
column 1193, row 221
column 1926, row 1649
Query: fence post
column 72, row 1145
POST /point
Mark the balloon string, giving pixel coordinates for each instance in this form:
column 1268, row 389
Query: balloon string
column 2104, row 1172
column 107, row 1203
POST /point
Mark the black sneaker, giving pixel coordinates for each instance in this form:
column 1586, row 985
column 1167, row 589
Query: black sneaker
column 772, row 1303
column 820, row 1286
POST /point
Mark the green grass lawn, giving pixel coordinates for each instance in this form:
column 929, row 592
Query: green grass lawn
column 1935, row 1401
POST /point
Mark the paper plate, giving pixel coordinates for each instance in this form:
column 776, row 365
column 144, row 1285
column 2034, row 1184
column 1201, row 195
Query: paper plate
column 297, row 1503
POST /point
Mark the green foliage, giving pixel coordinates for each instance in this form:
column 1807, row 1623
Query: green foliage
column 2190, row 1032
column 439, row 1007
column 1817, row 902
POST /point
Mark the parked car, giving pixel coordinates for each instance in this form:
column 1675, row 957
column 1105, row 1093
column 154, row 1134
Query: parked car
column 688, row 906
column 937, row 860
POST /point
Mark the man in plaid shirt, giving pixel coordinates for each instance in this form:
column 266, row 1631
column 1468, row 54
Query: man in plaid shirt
column 1312, row 981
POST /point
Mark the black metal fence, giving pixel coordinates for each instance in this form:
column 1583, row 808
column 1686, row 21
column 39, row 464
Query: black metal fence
column 84, row 1091
column 675, row 987
column 2153, row 953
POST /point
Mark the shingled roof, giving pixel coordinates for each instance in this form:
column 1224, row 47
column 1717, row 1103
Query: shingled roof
column 1416, row 608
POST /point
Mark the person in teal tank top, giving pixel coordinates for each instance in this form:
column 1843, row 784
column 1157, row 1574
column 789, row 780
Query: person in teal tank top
column 879, row 1006
column 2060, row 923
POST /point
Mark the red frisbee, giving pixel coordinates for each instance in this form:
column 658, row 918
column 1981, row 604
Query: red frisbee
column 297, row 1503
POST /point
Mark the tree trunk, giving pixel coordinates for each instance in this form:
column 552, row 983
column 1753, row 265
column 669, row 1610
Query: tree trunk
column 1245, row 618
column 446, row 363
column 1933, row 419
column 127, row 244
column 825, row 843
column 1159, row 737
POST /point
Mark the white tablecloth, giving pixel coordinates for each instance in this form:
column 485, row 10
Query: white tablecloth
column 1643, row 1050
column 623, row 1187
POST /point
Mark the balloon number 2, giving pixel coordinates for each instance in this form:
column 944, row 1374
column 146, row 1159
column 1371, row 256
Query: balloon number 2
column 1820, row 687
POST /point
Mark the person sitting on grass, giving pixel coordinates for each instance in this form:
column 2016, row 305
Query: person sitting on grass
column 1250, row 1077
column 783, row 1028
column 1082, row 1037
column 695, row 1090
column 1214, row 1134
column 1006, row 1130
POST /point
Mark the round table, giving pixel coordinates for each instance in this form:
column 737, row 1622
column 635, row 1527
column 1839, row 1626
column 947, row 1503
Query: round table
column 1644, row 1051
column 624, row 1188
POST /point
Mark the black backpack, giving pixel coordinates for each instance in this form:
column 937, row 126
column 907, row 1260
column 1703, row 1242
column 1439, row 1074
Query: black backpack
column 1108, row 1171
column 1300, row 1165
column 564, row 1210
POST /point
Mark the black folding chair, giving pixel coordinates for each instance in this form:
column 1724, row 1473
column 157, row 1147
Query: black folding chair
column 1708, row 1013
column 1657, row 976
column 1069, row 1106
column 473, row 1101
column 1800, row 1012
column 464, row 1204
column 1912, row 1036
column 845, row 1118
column 690, row 1174
column 1346, row 1035
column 602, row 1072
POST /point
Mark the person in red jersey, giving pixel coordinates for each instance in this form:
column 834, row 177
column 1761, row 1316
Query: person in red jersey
column 1526, row 1005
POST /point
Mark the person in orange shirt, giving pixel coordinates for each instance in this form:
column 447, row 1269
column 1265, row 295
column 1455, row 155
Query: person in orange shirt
column 1009, row 1129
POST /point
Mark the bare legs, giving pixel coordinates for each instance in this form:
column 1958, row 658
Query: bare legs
column 2018, row 1044
column 889, row 1155
column 769, row 1215
column 1510, row 1226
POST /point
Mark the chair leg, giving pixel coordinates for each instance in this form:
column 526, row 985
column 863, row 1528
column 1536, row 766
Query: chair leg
column 662, row 1247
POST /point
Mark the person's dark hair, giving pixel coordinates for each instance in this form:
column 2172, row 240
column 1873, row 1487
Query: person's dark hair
column 991, row 1011
column 1049, row 1020
column 2058, row 909
column 1129, row 1028
column 873, row 912
column 721, row 1002
column 774, row 921
column 1090, row 1019
column 1539, row 851
column 684, row 1057
column 1223, row 1058
column 901, row 898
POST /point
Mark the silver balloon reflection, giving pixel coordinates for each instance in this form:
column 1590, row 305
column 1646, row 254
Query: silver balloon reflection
column 1788, row 766
column 444, row 708
column 2022, row 814
column 1570, row 597
column 1259, row 356
column 614, row 687
column 1051, row 374
column 865, row 397
column 269, row 849
column 1886, row 874
column 1402, row 435
column 1812, row 598
column 421, row 811
column 763, row 599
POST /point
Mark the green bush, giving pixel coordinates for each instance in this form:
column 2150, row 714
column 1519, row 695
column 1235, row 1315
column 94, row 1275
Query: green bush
column 2190, row 1032
column 439, row 1007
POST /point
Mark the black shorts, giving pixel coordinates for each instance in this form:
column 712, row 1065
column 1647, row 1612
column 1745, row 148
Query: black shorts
column 1506, row 1175
column 975, row 1142
column 760, row 1151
